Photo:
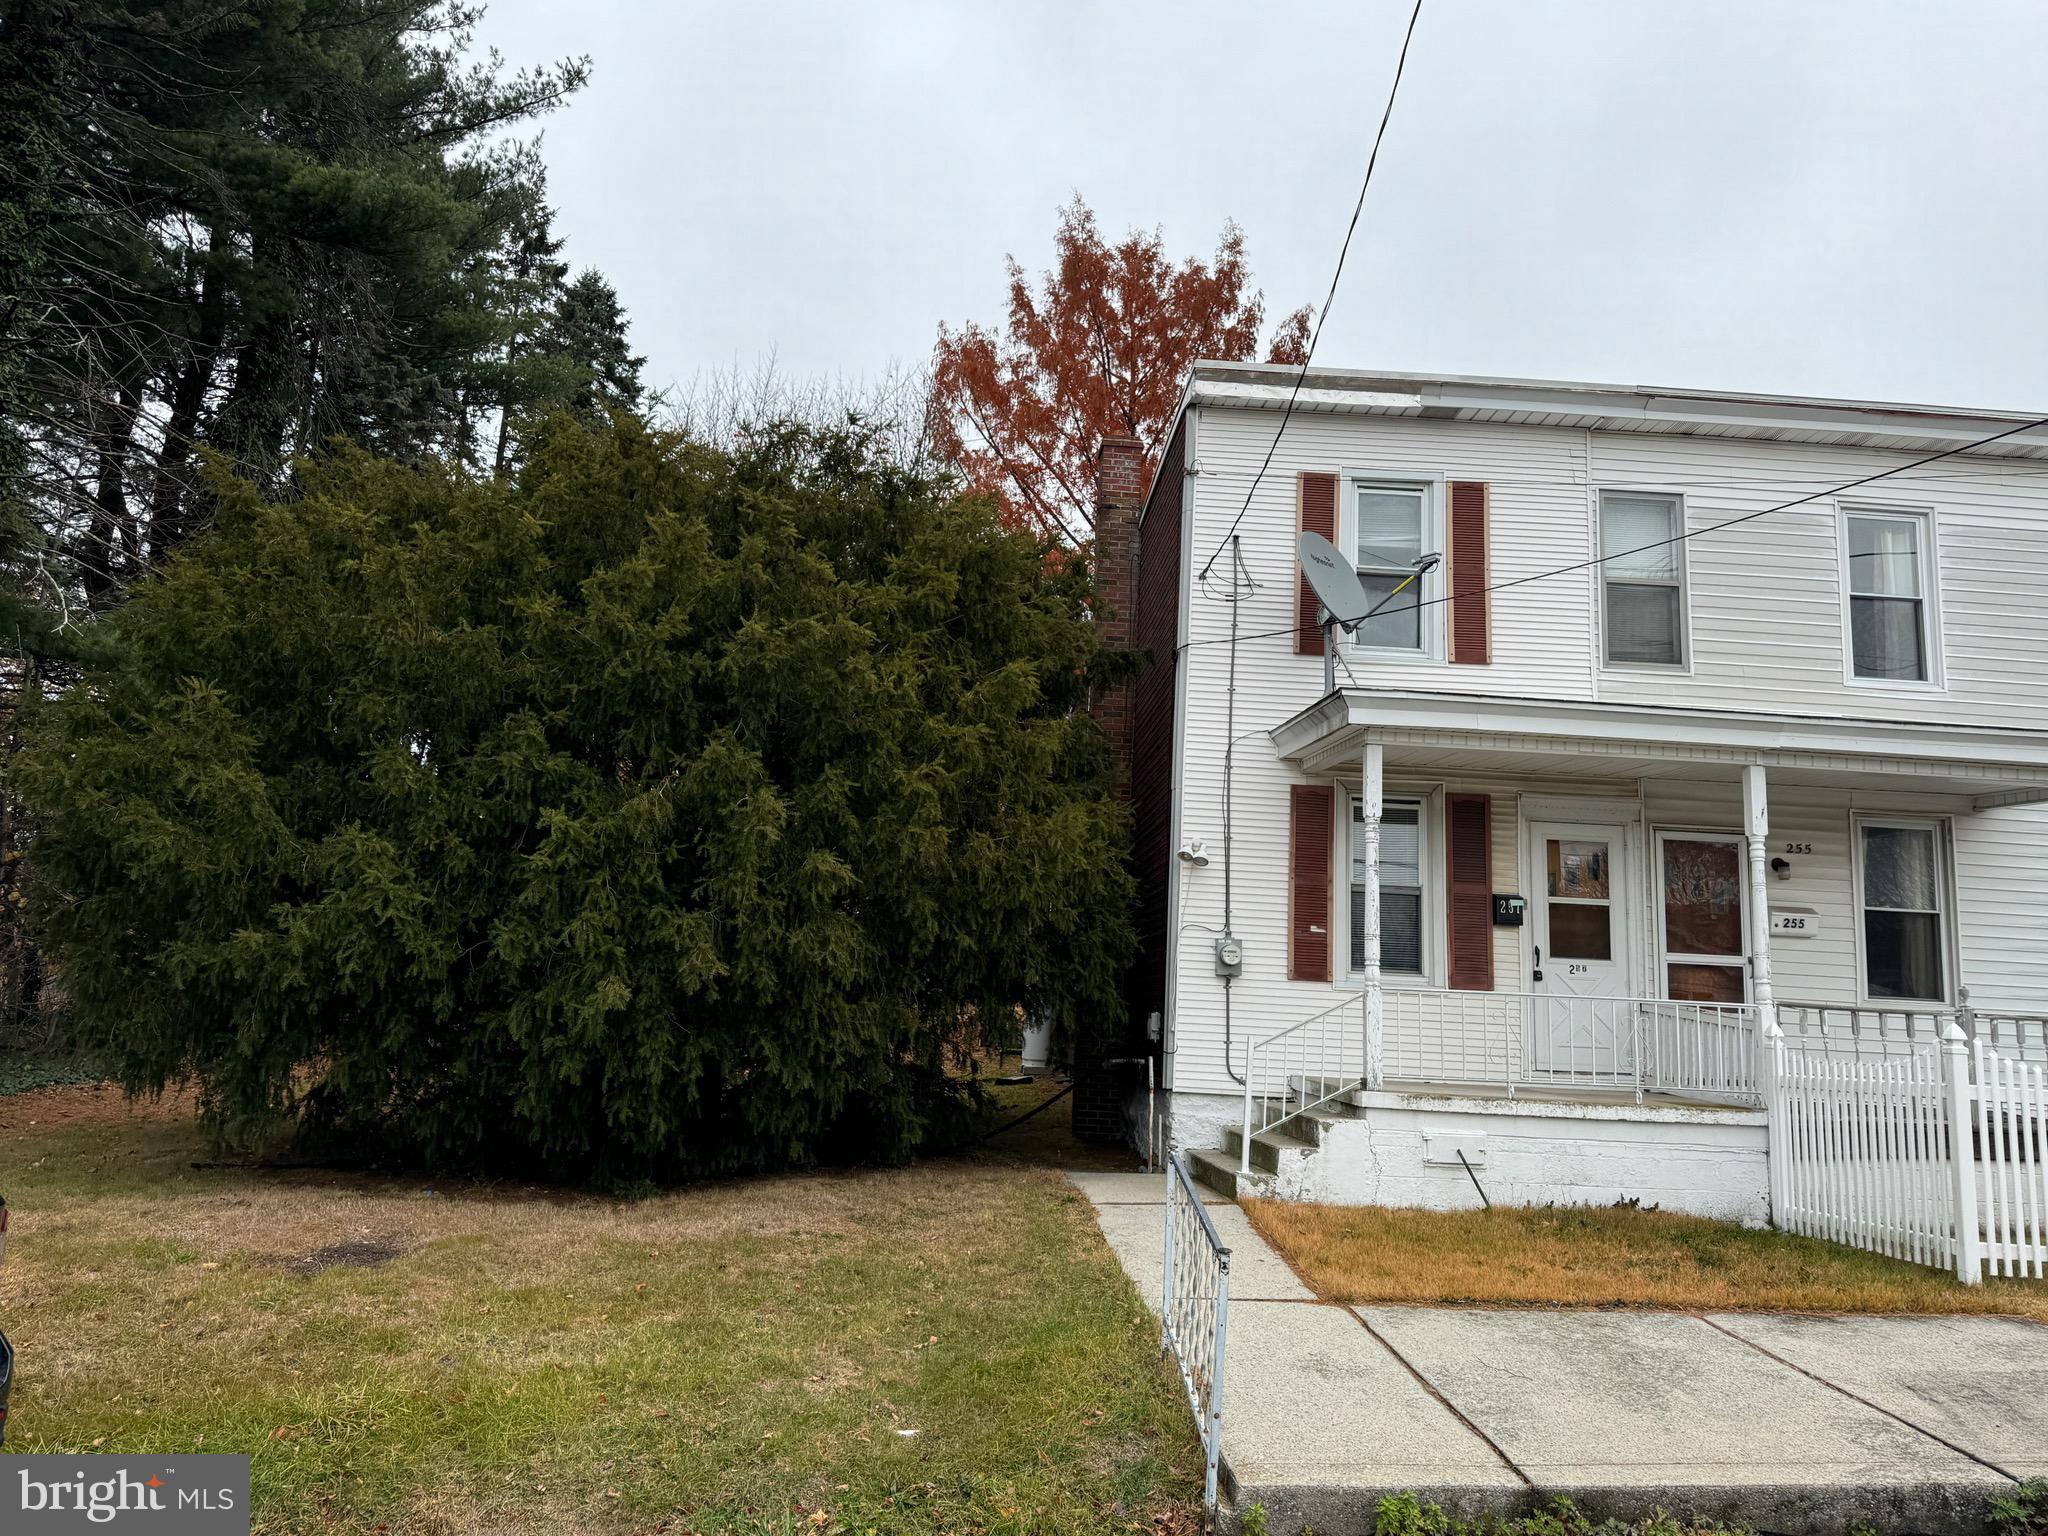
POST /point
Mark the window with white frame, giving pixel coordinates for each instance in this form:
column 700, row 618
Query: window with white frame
column 1401, row 903
column 1889, row 582
column 1391, row 525
column 1900, row 888
column 1642, row 580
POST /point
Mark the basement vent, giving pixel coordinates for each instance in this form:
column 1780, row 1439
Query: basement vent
column 1440, row 1149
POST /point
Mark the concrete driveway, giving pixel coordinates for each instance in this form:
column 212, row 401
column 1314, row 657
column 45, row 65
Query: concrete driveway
column 1788, row 1423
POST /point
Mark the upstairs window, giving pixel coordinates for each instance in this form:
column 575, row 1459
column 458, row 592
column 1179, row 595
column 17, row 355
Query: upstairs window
column 1401, row 869
column 1391, row 523
column 1642, row 575
column 1888, row 581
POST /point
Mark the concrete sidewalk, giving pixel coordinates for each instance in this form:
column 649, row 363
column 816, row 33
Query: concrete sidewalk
column 1787, row 1423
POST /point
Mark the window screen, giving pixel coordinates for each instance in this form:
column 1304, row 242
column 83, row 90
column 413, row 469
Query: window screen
column 1643, row 580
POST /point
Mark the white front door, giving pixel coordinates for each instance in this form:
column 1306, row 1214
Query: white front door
column 1581, row 933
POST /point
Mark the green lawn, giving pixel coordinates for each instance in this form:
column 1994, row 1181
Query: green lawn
column 948, row 1347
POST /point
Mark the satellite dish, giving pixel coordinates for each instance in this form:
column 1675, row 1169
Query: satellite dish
column 1335, row 582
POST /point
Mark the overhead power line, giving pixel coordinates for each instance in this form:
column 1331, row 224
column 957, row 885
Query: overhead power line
column 1680, row 538
column 1316, row 335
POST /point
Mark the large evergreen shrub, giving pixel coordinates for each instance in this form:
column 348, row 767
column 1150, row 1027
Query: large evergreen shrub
column 666, row 811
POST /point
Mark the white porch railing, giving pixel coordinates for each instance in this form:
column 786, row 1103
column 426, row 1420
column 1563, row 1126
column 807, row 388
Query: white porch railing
column 1526, row 1040
column 1509, row 1041
column 1872, row 1030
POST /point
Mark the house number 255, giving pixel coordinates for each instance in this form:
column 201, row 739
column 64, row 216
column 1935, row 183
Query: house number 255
column 1576, row 970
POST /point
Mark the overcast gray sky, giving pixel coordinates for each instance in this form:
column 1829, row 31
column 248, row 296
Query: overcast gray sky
column 1798, row 196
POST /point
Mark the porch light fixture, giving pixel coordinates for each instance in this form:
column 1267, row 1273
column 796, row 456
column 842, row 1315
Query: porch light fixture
column 1782, row 868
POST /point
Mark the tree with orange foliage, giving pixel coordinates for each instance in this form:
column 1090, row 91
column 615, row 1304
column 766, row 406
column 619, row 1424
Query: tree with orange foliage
column 1098, row 350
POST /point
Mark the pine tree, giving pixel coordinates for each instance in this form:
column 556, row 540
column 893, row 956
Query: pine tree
column 589, row 334
column 263, row 224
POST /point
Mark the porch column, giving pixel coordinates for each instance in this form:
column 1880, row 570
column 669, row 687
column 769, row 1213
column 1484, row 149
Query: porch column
column 1375, row 1024
column 1756, row 826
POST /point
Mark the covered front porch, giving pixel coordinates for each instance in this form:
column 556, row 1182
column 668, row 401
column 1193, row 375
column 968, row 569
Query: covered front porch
column 1564, row 902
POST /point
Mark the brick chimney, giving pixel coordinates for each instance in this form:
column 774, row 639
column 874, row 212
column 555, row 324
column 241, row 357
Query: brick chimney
column 1119, row 498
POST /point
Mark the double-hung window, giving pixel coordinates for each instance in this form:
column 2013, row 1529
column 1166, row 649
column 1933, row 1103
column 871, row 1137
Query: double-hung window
column 1401, row 905
column 1642, row 574
column 1900, row 886
column 1889, row 585
column 1390, row 524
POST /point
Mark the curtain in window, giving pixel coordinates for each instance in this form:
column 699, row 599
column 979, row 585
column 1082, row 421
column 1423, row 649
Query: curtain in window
column 1400, row 891
column 1886, row 635
column 1902, row 913
column 1628, row 523
column 1389, row 528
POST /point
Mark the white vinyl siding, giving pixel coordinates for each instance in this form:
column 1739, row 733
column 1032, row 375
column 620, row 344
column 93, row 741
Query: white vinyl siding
column 1766, row 632
column 2000, row 898
column 1642, row 580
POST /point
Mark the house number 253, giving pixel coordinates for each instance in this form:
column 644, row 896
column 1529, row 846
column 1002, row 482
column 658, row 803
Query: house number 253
column 1576, row 970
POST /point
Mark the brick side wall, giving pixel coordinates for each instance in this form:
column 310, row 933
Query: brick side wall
column 1119, row 489
column 1137, row 578
column 1155, row 630
column 1101, row 1090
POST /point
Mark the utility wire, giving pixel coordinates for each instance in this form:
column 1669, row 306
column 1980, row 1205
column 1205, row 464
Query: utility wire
column 1317, row 334
column 1691, row 533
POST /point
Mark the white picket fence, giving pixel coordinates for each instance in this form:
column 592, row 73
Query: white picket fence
column 1934, row 1155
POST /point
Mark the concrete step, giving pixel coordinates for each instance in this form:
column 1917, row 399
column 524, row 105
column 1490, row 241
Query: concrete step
column 1269, row 1145
column 1219, row 1171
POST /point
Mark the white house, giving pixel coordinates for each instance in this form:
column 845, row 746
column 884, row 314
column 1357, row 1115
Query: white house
column 1631, row 781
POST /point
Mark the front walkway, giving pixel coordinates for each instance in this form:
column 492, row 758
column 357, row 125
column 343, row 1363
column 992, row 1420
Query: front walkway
column 1787, row 1423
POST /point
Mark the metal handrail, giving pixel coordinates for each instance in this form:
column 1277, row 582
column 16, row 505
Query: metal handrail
column 1333, row 1077
column 1194, row 1312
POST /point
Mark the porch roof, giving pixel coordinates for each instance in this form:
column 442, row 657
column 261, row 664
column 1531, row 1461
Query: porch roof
column 1487, row 734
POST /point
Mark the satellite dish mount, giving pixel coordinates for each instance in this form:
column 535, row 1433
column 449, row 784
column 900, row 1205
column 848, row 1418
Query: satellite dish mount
column 1342, row 596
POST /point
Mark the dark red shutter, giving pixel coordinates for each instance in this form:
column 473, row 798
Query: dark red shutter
column 1468, row 824
column 1315, row 511
column 1471, row 639
column 1309, row 819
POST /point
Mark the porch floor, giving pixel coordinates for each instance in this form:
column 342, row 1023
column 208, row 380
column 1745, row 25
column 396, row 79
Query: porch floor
column 1789, row 1423
column 1526, row 1093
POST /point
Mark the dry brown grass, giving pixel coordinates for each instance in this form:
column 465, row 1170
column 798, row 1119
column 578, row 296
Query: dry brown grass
column 1616, row 1257
column 454, row 1358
